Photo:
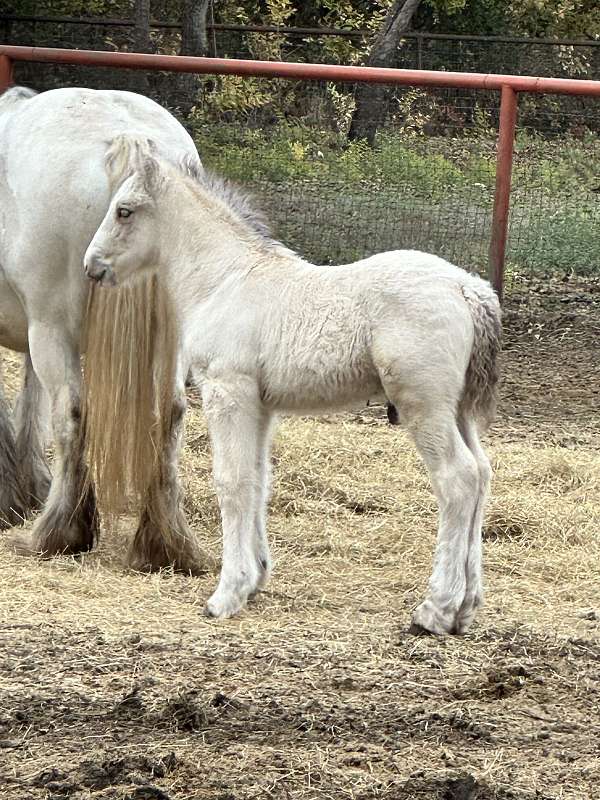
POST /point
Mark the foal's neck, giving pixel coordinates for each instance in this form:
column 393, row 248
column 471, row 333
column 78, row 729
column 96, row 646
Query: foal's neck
column 211, row 244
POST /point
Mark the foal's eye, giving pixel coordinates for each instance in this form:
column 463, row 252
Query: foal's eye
column 123, row 213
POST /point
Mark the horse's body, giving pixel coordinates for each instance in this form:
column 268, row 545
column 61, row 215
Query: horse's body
column 54, row 192
column 265, row 332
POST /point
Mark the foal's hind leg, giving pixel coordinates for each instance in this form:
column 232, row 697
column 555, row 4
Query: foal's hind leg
column 474, row 593
column 262, row 551
column 13, row 498
column 455, row 478
column 31, row 420
column 164, row 537
column 69, row 521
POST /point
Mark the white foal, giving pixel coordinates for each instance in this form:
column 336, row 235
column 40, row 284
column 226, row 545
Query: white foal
column 265, row 332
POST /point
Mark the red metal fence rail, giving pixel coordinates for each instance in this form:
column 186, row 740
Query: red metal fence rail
column 509, row 85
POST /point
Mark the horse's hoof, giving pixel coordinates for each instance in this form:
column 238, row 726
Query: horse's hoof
column 23, row 544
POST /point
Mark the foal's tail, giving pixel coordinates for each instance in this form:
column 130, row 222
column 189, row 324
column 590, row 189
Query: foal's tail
column 483, row 371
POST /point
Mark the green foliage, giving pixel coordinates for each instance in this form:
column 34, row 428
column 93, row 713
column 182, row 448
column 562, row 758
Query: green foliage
column 429, row 174
column 336, row 203
column 563, row 239
column 295, row 152
column 564, row 166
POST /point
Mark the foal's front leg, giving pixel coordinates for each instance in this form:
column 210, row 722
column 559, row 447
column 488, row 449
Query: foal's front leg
column 233, row 411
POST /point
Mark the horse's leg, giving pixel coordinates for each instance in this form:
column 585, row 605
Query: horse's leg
column 262, row 551
column 234, row 415
column 69, row 520
column 455, row 478
column 31, row 423
column 164, row 537
column 474, row 593
column 13, row 498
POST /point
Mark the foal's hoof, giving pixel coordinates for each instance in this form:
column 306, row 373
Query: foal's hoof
column 207, row 611
column 427, row 617
column 221, row 611
column 223, row 605
column 418, row 630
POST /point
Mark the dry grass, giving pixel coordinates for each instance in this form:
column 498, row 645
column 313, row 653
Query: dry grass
column 112, row 684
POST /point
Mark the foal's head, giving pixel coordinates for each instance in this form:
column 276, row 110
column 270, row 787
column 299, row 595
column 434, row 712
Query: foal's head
column 128, row 239
column 145, row 202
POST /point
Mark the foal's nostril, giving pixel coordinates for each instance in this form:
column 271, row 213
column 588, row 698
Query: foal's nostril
column 95, row 268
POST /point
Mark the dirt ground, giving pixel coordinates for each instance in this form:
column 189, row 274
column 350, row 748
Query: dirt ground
column 112, row 684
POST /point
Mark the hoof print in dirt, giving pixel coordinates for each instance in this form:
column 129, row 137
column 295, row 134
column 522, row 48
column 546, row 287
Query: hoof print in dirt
column 186, row 713
column 148, row 793
column 136, row 769
column 465, row 788
column 461, row 787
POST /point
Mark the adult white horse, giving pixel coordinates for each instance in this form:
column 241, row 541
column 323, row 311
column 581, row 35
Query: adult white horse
column 54, row 192
column 266, row 332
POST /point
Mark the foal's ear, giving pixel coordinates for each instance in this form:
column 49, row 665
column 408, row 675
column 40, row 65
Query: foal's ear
column 151, row 174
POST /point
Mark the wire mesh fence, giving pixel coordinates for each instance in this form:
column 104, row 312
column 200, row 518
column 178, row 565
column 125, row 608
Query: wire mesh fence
column 427, row 183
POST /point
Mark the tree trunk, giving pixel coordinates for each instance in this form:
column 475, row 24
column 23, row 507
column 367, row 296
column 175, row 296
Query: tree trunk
column 194, row 42
column 194, row 37
column 141, row 42
column 141, row 31
column 370, row 97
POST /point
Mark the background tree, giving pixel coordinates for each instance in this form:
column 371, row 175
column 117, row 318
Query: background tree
column 141, row 39
column 194, row 36
column 141, row 31
column 370, row 97
column 194, row 42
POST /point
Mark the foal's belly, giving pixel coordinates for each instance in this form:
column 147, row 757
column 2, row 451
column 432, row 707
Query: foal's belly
column 13, row 322
column 322, row 396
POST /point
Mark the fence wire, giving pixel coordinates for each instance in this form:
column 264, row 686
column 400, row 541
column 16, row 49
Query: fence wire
column 427, row 183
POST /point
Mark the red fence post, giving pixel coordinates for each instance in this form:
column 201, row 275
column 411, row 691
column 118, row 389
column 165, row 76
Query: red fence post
column 5, row 72
column 504, row 161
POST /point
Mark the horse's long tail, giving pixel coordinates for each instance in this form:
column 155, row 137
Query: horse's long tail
column 480, row 393
column 131, row 347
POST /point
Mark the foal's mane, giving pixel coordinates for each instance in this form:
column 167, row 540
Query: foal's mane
column 128, row 153
column 233, row 196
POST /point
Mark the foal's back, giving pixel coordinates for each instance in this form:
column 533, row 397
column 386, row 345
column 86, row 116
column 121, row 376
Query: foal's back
column 329, row 334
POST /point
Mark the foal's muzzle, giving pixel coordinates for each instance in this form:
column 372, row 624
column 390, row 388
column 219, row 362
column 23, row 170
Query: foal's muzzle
column 99, row 270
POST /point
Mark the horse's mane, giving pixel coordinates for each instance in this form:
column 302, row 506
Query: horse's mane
column 237, row 199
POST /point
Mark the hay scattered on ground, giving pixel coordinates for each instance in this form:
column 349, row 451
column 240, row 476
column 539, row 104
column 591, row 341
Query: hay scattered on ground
column 112, row 684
